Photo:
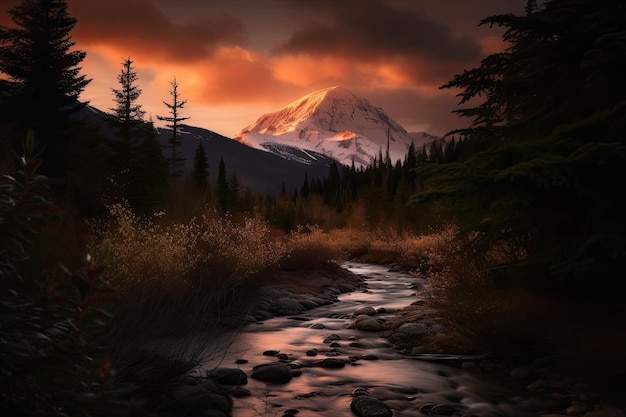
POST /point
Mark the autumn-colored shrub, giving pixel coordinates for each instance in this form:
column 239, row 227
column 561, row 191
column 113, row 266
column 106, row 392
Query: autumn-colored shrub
column 309, row 248
column 170, row 271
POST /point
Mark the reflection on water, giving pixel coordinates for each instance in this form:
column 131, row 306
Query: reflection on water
column 402, row 382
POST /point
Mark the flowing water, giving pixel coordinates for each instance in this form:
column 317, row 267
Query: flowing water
column 402, row 382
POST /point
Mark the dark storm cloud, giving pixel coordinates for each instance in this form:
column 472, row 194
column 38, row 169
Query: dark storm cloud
column 373, row 29
column 144, row 28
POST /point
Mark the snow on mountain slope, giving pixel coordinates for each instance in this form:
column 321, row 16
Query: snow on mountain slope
column 333, row 122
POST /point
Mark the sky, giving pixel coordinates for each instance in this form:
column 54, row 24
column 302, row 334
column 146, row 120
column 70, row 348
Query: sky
column 235, row 60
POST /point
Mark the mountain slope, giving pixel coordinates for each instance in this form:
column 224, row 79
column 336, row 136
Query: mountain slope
column 256, row 170
column 334, row 122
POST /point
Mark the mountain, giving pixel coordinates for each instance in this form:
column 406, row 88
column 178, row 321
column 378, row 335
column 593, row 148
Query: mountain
column 257, row 170
column 333, row 122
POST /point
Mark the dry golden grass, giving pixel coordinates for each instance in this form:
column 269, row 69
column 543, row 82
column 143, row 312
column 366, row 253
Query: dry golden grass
column 141, row 252
column 171, row 272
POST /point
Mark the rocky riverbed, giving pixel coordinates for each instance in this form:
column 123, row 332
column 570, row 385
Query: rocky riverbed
column 360, row 341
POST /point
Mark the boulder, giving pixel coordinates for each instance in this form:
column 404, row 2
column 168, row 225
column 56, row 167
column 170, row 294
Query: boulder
column 413, row 329
column 366, row 323
column 332, row 363
column 367, row 310
column 228, row 376
column 272, row 373
column 285, row 305
column 365, row 406
column 195, row 399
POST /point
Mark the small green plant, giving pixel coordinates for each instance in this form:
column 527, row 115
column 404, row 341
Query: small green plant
column 52, row 360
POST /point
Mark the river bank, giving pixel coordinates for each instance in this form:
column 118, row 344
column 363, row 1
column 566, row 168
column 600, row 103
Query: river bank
column 319, row 343
column 418, row 332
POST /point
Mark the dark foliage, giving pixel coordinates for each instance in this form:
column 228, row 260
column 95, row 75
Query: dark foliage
column 547, row 146
column 200, row 171
column 36, row 54
column 52, row 361
column 174, row 122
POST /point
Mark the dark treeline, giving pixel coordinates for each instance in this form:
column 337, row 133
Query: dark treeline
column 369, row 197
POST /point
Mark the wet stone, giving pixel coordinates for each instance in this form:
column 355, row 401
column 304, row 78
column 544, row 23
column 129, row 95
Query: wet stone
column 332, row 363
column 311, row 352
column 576, row 410
column 369, row 357
column 412, row 329
column 520, row 372
column 443, row 409
column 331, row 338
column 196, row 400
column 425, row 408
column 228, row 376
column 365, row 406
column 367, row 310
column 241, row 392
column 366, row 323
column 359, row 391
column 277, row 374
column 271, row 352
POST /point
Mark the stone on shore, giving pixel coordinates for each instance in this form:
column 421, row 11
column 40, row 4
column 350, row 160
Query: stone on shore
column 196, row 399
column 228, row 376
column 285, row 305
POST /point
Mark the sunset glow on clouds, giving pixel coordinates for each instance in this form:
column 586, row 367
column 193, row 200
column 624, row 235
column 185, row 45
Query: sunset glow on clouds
column 237, row 59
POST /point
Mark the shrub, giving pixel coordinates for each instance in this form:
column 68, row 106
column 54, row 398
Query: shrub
column 51, row 359
column 172, row 272
column 310, row 248
column 479, row 302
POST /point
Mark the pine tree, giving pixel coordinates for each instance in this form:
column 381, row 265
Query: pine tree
column 547, row 143
column 233, row 194
column 173, row 122
column 200, row 173
column 36, row 55
column 304, row 190
column 147, row 182
column 223, row 189
column 127, row 116
column 410, row 165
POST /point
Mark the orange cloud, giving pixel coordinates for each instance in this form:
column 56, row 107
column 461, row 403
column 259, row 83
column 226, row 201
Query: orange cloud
column 390, row 51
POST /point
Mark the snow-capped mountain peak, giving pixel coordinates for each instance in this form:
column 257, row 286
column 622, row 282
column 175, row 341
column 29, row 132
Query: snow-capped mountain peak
column 334, row 122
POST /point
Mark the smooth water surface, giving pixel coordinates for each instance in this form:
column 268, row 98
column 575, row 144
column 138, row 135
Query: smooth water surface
column 402, row 382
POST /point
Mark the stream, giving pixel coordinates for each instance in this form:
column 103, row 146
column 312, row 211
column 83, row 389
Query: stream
column 403, row 383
